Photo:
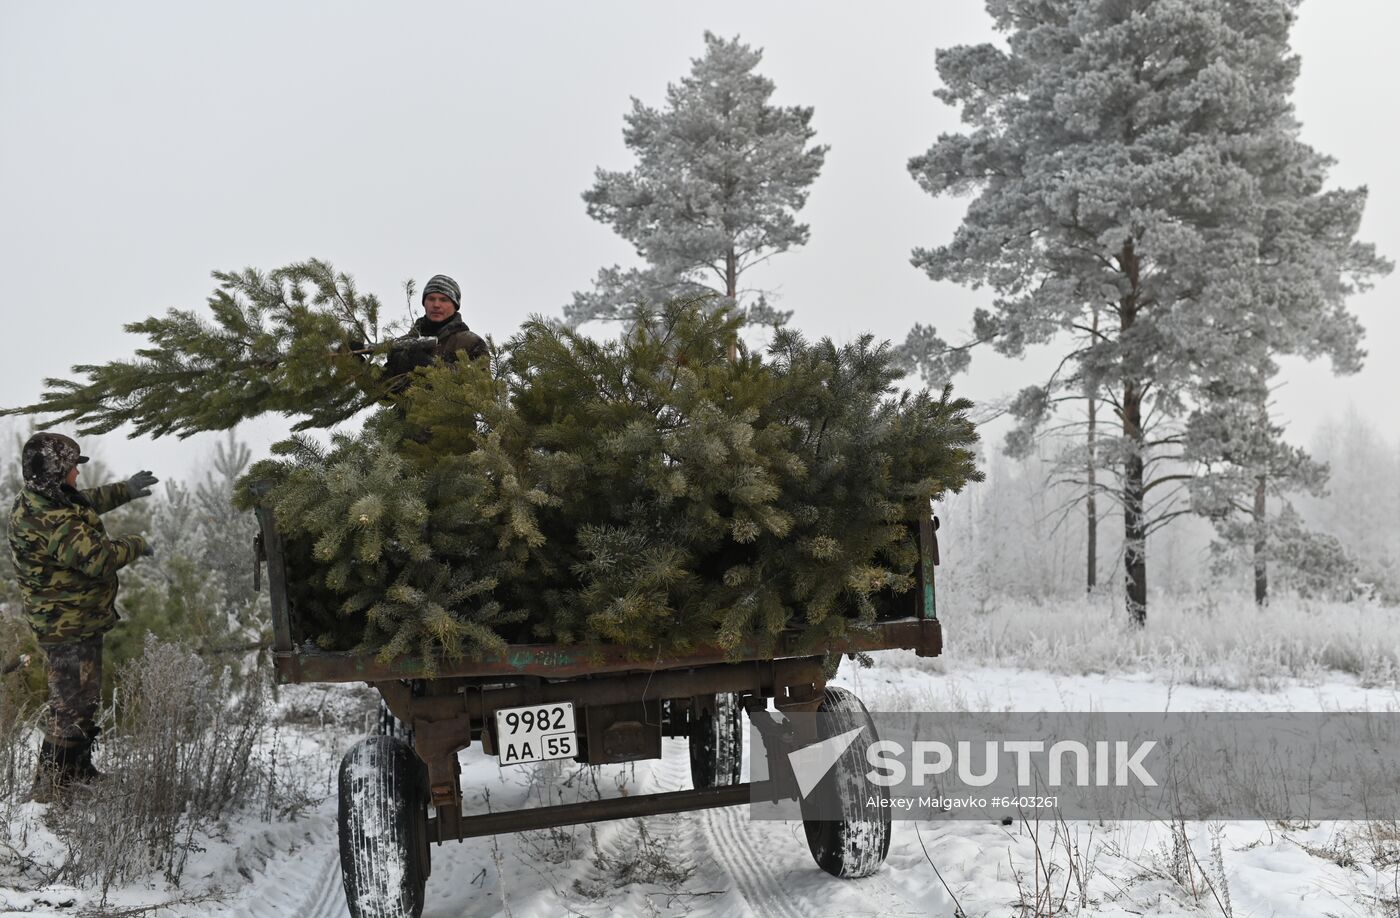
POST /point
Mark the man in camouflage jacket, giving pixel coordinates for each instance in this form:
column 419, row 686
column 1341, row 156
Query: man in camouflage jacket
column 441, row 319
column 66, row 566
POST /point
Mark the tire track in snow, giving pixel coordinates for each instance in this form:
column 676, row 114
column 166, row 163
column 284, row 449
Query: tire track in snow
column 740, row 843
column 730, row 844
column 743, row 849
column 672, row 773
column 302, row 886
column 730, row 850
column 327, row 898
column 672, row 833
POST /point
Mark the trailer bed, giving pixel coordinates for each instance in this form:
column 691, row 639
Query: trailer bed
column 912, row 626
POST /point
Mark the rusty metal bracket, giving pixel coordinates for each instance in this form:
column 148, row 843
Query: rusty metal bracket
column 546, row 817
column 780, row 735
column 441, row 727
column 924, row 579
column 259, row 556
column 277, row 594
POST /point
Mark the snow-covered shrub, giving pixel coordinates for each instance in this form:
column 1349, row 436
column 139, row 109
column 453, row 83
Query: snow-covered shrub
column 179, row 754
column 644, row 858
column 19, row 730
column 1207, row 639
column 350, row 708
column 23, row 689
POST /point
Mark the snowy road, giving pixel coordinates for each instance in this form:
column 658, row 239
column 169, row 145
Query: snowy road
column 736, row 867
column 725, row 865
column 716, row 863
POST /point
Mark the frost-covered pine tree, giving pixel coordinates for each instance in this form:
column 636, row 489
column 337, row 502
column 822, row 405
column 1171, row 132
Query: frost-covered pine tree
column 720, row 176
column 1243, row 461
column 1122, row 155
column 1246, row 477
column 1363, row 508
column 1307, row 264
column 11, row 481
column 226, row 532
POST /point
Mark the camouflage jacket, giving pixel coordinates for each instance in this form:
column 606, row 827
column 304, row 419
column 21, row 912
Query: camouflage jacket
column 65, row 564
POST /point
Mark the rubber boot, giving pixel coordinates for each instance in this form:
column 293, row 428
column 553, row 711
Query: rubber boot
column 53, row 772
column 82, row 768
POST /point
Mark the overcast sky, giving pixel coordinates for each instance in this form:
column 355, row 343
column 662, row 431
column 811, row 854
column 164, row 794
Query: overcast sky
column 143, row 145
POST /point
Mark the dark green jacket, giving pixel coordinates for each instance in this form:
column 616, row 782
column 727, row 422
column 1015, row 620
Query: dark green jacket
column 65, row 563
column 453, row 337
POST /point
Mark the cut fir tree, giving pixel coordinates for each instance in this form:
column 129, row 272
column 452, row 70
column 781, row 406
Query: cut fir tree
column 646, row 491
column 295, row 340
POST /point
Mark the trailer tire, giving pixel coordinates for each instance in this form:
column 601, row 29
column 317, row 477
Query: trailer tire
column 389, row 725
column 717, row 744
column 383, row 829
column 857, row 844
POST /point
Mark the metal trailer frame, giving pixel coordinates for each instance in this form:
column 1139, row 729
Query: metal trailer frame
column 624, row 704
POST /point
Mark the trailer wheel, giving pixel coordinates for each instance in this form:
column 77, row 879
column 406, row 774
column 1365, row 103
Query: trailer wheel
column 389, row 725
column 383, row 829
column 717, row 744
column 856, row 845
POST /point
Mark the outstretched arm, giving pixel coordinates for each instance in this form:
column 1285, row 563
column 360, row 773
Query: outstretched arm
column 90, row 552
column 108, row 497
column 112, row 496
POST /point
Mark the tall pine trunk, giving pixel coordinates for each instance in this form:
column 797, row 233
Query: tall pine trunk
column 1091, row 563
column 1261, row 542
column 1134, row 517
column 1091, row 506
column 731, row 290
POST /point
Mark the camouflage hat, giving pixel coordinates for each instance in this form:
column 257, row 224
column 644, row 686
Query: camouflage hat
column 47, row 459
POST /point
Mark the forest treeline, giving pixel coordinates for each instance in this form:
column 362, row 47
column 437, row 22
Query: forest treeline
column 1021, row 533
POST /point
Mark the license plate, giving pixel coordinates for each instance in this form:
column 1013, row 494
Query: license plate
column 536, row 733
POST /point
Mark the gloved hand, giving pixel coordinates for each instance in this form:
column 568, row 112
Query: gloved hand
column 139, row 485
column 407, row 353
column 413, row 343
column 148, row 551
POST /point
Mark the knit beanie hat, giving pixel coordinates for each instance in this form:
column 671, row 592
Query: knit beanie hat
column 441, row 283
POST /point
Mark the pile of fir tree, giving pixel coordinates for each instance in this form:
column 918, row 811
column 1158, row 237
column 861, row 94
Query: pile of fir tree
column 645, row 491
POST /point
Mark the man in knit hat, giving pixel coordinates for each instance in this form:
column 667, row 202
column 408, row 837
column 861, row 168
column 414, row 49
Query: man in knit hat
column 442, row 319
column 66, row 567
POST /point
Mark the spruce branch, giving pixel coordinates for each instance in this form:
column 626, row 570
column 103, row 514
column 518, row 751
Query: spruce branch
column 296, row 341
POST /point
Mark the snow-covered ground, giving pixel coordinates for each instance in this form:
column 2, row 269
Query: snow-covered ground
column 717, row 863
